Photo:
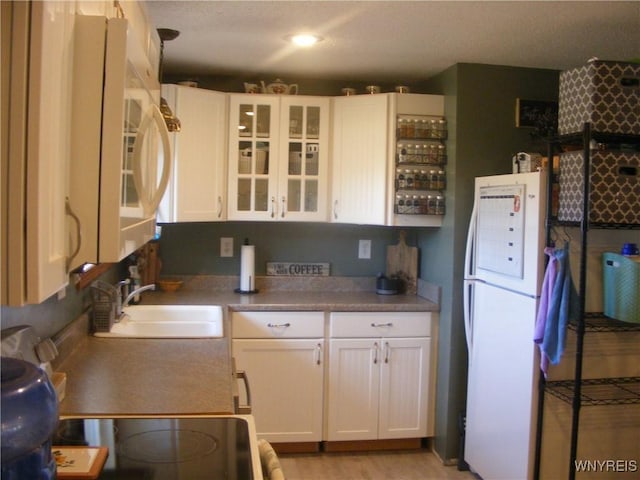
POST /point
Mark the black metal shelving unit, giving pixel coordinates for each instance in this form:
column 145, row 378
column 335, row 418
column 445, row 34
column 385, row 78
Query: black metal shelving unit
column 579, row 392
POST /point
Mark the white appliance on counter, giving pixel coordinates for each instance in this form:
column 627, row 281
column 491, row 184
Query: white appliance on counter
column 121, row 159
column 504, row 268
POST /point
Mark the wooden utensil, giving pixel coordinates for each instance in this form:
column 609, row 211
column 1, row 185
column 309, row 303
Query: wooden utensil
column 402, row 262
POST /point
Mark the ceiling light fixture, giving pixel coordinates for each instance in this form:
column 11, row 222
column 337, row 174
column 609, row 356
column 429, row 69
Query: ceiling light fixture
column 304, row 39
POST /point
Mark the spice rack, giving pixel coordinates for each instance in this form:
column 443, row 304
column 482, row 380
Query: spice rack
column 420, row 178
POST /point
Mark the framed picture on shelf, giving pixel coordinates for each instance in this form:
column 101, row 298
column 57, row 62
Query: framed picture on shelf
column 536, row 113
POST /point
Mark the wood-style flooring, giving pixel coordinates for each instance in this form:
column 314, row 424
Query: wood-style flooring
column 389, row 465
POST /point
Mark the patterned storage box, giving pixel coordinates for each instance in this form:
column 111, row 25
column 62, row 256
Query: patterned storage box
column 615, row 187
column 607, row 94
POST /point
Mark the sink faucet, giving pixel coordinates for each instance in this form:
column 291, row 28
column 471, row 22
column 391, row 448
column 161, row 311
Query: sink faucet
column 119, row 295
column 137, row 291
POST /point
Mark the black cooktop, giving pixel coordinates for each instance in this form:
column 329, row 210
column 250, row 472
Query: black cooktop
column 165, row 448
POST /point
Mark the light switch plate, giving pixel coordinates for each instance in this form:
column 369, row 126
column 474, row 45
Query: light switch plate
column 226, row 246
column 364, row 249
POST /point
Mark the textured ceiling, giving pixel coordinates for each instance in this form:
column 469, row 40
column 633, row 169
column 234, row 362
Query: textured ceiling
column 391, row 40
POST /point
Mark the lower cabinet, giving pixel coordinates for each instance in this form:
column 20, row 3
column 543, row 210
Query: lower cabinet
column 380, row 383
column 283, row 356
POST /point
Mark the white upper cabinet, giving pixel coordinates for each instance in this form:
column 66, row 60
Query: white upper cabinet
column 48, row 137
column 197, row 189
column 359, row 162
column 304, row 158
column 278, row 157
column 38, row 100
column 364, row 158
column 253, row 148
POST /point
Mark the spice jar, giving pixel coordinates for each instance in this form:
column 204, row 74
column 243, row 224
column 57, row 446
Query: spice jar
column 411, row 128
column 408, row 175
column 442, row 128
column 442, row 180
column 439, row 207
column 402, row 128
column 401, row 180
column 402, row 153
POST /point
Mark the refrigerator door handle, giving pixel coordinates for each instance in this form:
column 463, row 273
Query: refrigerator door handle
column 469, row 263
column 469, row 278
column 468, row 320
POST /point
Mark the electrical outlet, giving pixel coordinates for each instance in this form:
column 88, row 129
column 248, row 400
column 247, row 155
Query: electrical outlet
column 226, row 246
column 364, row 249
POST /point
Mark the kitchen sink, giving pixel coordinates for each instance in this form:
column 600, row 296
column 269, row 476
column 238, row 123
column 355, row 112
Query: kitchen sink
column 168, row 321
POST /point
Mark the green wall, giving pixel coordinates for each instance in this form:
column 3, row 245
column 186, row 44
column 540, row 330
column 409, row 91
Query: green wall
column 480, row 105
column 52, row 315
column 194, row 248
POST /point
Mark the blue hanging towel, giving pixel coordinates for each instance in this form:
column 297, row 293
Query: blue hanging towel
column 550, row 277
column 563, row 307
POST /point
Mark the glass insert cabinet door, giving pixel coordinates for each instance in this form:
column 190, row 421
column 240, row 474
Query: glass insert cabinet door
column 303, row 179
column 278, row 157
column 253, row 146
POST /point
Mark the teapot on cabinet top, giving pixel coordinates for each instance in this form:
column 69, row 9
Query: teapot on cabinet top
column 252, row 88
column 279, row 87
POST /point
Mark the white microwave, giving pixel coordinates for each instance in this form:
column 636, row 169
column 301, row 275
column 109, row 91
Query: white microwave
column 121, row 159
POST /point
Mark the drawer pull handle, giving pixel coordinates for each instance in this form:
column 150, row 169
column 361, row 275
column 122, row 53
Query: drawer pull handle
column 244, row 409
column 319, row 352
column 278, row 325
column 376, row 348
column 386, row 352
column 376, row 325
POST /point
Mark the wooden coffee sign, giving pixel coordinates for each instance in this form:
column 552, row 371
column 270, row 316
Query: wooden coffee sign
column 298, row 269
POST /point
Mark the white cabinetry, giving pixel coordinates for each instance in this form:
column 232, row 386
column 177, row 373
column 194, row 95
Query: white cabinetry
column 364, row 151
column 359, row 162
column 283, row 356
column 35, row 154
column 278, row 157
column 197, row 189
column 381, row 376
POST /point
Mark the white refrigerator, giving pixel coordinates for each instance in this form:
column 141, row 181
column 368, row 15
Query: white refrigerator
column 504, row 268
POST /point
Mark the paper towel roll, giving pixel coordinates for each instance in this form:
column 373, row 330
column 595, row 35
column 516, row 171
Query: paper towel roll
column 247, row 268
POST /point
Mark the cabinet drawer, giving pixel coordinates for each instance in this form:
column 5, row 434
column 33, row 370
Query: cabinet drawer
column 277, row 324
column 380, row 324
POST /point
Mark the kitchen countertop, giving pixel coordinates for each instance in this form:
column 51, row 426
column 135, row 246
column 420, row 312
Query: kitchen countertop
column 297, row 301
column 107, row 376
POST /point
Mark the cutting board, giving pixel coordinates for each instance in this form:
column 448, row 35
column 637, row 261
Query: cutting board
column 402, row 262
